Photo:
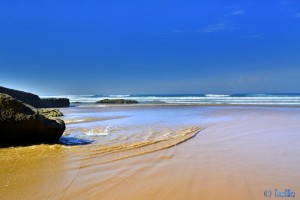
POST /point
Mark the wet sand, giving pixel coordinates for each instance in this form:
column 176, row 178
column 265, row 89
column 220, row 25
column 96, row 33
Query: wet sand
column 228, row 153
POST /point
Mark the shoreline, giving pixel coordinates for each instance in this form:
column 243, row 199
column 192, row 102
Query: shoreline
column 93, row 105
column 236, row 154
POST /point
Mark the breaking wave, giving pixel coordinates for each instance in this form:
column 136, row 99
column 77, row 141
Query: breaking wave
column 201, row 99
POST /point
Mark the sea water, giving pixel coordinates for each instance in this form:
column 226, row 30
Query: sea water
column 200, row 99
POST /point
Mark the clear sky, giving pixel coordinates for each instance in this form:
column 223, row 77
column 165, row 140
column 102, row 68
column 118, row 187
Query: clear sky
column 150, row 46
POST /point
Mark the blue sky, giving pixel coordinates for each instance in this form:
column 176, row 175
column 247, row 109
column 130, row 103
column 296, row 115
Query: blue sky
column 140, row 47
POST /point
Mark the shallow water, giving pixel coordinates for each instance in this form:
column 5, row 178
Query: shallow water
column 127, row 125
column 160, row 152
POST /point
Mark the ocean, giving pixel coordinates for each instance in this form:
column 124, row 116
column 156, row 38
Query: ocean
column 197, row 99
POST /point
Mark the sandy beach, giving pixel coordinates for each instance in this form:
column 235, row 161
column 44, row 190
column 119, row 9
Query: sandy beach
column 150, row 100
column 163, row 152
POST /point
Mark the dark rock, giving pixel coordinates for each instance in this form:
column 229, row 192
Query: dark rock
column 51, row 112
column 117, row 101
column 28, row 98
column 54, row 103
column 23, row 123
column 35, row 100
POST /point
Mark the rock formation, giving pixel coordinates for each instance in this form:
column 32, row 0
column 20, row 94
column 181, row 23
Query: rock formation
column 20, row 122
column 54, row 103
column 35, row 100
column 117, row 101
column 28, row 98
column 50, row 112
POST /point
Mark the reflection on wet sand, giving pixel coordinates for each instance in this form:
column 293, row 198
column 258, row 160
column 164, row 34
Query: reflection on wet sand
column 81, row 120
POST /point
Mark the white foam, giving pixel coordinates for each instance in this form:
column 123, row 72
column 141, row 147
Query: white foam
column 217, row 95
column 119, row 96
column 95, row 132
column 89, row 100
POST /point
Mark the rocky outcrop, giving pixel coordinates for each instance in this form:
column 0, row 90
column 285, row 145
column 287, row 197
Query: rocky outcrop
column 35, row 100
column 23, row 123
column 31, row 99
column 50, row 112
column 54, row 103
column 117, row 101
